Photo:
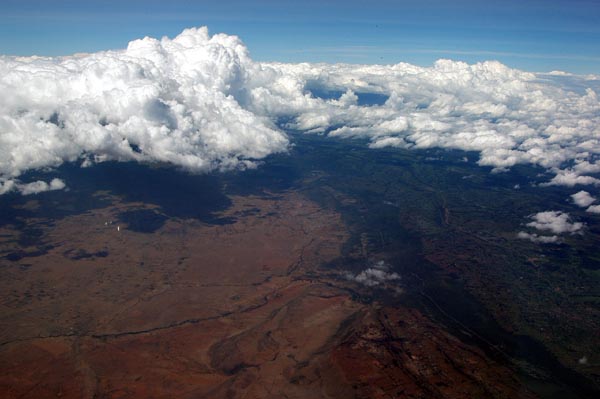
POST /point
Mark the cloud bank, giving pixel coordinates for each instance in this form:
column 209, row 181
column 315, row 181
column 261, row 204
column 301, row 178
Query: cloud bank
column 509, row 116
column 201, row 103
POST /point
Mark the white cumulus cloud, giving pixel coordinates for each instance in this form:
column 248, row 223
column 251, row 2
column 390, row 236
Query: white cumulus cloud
column 175, row 101
column 509, row 116
column 593, row 209
column 373, row 276
column 538, row 238
column 583, row 199
column 201, row 103
column 35, row 187
column 554, row 221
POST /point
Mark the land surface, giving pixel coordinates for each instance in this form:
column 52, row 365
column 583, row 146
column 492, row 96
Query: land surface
column 147, row 282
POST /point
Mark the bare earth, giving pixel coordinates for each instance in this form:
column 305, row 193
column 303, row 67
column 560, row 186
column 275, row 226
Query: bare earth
column 241, row 310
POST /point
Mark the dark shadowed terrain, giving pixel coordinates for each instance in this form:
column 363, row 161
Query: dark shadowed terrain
column 337, row 272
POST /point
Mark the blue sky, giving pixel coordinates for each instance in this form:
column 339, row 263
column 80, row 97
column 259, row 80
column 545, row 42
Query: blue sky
column 535, row 35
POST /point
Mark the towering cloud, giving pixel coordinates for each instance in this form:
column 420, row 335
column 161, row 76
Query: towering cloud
column 159, row 100
column 200, row 102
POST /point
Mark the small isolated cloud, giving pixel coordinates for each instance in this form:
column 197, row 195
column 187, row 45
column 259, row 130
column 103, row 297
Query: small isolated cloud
column 554, row 221
column 538, row 238
column 41, row 186
column 571, row 178
column 31, row 188
column 583, row 199
column 373, row 276
column 593, row 209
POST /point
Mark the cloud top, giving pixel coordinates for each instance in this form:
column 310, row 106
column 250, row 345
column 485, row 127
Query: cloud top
column 158, row 100
column 509, row 116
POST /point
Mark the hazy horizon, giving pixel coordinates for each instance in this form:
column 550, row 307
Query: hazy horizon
column 535, row 36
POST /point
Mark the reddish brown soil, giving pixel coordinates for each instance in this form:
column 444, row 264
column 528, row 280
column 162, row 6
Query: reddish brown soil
column 196, row 310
